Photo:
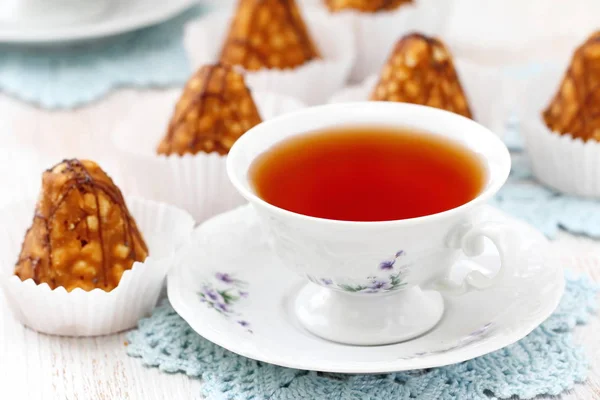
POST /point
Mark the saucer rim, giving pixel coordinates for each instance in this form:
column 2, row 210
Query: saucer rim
column 374, row 367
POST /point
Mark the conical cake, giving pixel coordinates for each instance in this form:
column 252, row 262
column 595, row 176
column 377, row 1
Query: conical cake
column 420, row 71
column 575, row 109
column 268, row 34
column 365, row 5
column 215, row 109
column 82, row 234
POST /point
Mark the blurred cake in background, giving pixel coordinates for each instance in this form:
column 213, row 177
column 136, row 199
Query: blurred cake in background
column 82, row 234
column 420, row 70
column 268, row 34
column 215, row 109
column 561, row 127
column 365, row 5
column 575, row 109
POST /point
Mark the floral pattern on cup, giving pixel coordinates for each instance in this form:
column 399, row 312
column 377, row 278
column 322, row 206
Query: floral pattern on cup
column 222, row 294
column 390, row 277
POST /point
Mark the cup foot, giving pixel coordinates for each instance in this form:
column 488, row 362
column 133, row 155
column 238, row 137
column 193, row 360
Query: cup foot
column 368, row 320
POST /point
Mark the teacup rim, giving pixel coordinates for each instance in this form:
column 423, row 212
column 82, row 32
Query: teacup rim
column 253, row 198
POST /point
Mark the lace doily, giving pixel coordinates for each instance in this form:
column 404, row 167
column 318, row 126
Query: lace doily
column 545, row 362
column 544, row 208
column 66, row 76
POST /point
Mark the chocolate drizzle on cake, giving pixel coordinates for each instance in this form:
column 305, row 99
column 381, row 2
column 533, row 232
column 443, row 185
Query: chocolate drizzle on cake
column 82, row 234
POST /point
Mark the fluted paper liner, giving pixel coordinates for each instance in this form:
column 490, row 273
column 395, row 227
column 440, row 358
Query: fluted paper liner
column 568, row 165
column 313, row 82
column 80, row 313
column 485, row 88
column 197, row 183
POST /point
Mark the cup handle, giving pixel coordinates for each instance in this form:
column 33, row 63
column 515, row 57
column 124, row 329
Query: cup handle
column 469, row 238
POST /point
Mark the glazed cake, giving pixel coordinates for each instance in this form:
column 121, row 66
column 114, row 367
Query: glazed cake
column 215, row 109
column 420, row 70
column 82, row 234
column 268, row 34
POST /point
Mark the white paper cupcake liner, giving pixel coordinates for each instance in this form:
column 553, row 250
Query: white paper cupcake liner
column 79, row 313
column 566, row 164
column 377, row 33
column 197, row 183
column 313, row 82
column 485, row 87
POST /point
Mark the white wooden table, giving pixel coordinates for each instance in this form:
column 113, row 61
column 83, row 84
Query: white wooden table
column 36, row 366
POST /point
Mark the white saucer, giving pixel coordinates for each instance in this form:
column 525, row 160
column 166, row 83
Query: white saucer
column 120, row 16
column 253, row 313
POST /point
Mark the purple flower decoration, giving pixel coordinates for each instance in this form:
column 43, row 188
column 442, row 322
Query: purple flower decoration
column 380, row 285
column 376, row 283
column 222, row 294
column 224, row 277
column 212, row 296
column 387, row 265
column 222, row 306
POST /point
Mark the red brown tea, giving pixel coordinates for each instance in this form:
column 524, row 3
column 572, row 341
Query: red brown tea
column 367, row 174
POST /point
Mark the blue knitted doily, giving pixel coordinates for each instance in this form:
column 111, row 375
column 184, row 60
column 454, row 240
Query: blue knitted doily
column 72, row 75
column 525, row 198
column 544, row 362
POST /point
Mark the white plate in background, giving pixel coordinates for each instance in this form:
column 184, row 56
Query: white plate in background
column 120, row 16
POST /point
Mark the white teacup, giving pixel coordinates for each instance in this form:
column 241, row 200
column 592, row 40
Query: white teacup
column 50, row 13
column 378, row 282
